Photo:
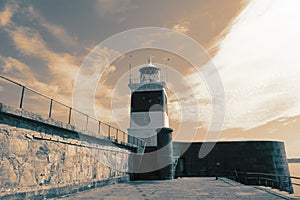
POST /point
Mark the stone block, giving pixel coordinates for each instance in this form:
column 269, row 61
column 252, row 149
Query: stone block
column 18, row 146
column 8, row 176
column 27, row 175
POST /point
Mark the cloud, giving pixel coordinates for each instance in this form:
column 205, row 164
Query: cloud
column 258, row 63
column 110, row 69
column 57, row 31
column 28, row 41
column 15, row 67
column 6, row 14
column 22, row 73
column 62, row 66
column 182, row 27
column 282, row 129
column 60, row 33
column 114, row 6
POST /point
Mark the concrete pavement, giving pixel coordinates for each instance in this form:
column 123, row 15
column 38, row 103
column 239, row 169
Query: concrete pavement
column 185, row 188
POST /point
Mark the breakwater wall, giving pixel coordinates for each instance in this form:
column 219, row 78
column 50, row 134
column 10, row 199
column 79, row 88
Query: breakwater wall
column 45, row 158
column 246, row 161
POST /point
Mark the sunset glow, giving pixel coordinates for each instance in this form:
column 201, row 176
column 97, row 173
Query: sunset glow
column 253, row 44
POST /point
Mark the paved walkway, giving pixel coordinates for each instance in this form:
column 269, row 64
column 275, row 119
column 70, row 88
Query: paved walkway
column 186, row 188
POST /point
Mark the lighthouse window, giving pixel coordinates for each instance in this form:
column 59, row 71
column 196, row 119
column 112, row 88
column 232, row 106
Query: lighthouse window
column 146, row 101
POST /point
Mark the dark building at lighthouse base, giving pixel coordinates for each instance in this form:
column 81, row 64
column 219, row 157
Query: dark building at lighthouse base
column 250, row 156
column 234, row 159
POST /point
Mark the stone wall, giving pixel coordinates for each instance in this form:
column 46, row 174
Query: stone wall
column 38, row 160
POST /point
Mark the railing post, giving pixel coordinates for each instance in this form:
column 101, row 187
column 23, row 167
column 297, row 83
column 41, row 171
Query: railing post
column 132, row 140
column 99, row 124
column 87, row 122
column 108, row 131
column 117, row 131
column 50, row 109
column 236, row 175
column 280, row 185
column 70, row 113
column 22, row 96
column 124, row 137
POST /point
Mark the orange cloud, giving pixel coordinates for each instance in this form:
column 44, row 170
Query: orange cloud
column 5, row 15
column 60, row 33
column 182, row 27
column 16, row 68
column 28, row 41
column 62, row 66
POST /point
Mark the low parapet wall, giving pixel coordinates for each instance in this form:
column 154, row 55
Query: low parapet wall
column 40, row 160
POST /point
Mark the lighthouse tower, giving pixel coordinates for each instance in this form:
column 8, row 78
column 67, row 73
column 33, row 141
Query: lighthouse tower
column 148, row 105
column 149, row 121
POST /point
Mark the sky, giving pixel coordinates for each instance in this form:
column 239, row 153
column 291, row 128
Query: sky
column 254, row 45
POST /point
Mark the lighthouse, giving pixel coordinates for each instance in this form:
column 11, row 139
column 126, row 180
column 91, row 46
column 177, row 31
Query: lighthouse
column 149, row 109
column 149, row 121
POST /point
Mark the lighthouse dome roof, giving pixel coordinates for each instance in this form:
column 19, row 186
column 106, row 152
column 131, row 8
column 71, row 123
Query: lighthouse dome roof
column 149, row 68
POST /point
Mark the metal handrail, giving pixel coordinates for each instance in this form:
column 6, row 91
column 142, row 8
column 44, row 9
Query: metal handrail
column 139, row 142
column 274, row 175
column 268, row 174
column 244, row 177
